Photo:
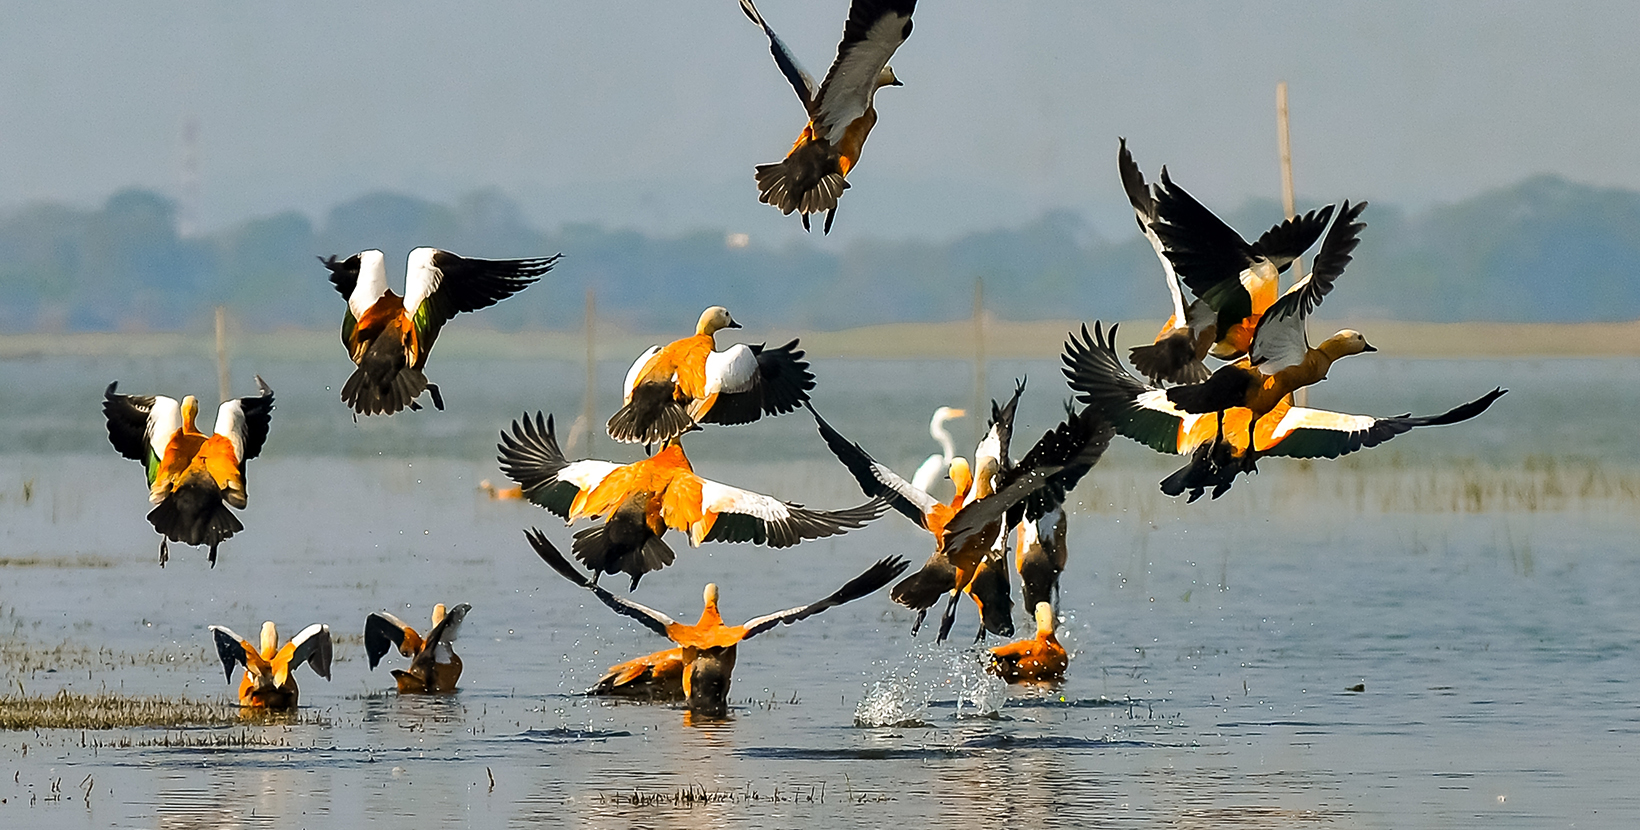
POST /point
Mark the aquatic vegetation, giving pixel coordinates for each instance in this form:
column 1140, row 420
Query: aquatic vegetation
column 22, row 657
column 105, row 710
column 36, row 561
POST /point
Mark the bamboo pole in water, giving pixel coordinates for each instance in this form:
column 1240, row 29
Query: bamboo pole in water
column 1288, row 200
column 589, row 406
column 980, row 410
column 222, row 352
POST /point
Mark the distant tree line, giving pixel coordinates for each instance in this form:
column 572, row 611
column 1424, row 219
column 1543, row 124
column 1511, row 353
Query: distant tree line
column 1545, row 249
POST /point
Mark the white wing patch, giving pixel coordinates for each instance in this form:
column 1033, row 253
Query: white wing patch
column 1300, row 418
column 421, row 279
column 371, row 284
column 721, row 498
column 730, row 371
column 1156, row 400
column 587, row 474
column 636, row 371
column 230, row 424
column 164, row 419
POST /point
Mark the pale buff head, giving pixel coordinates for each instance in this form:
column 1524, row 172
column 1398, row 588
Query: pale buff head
column 714, row 319
column 1045, row 620
column 438, row 613
column 190, row 410
column 1344, row 344
column 270, row 640
column 961, row 475
column 709, row 596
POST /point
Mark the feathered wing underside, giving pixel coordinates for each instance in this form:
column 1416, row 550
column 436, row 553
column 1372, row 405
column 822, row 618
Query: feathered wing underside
column 1314, row 433
column 999, row 431
column 650, row 618
column 437, row 649
column 1289, row 239
column 874, row 578
column 744, row 516
column 439, row 285
column 1203, row 249
column 1136, row 409
column 361, row 287
column 382, row 632
column 232, row 648
column 313, row 647
column 1335, row 254
column 802, row 83
column 874, row 30
column 877, row 480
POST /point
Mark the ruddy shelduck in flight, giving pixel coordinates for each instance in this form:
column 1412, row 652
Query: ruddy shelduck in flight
column 434, row 665
column 640, row 501
column 708, row 647
column 1144, row 413
column 1039, row 659
column 1233, row 280
column 672, row 388
column 842, row 110
column 192, row 477
column 389, row 337
column 268, row 682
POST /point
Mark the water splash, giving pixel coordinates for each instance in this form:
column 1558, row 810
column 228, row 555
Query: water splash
column 903, row 696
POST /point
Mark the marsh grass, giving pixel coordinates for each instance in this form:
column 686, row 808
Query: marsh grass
column 1385, row 484
column 82, row 561
column 21, row 657
column 105, row 710
column 695, row 795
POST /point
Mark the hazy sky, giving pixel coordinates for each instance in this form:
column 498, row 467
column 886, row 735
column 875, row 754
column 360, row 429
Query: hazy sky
column 652, row 114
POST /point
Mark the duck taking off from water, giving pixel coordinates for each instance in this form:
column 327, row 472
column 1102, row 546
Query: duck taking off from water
column 672, row 388
column 1038, row 659
column 640, row 501
column 936, row 466
column 389, row 337
column 657, row 676
column 1144, row 413
column 842, row 110
column 434, row 665
column 707, row 648
column 192, row 477
column 268, row 682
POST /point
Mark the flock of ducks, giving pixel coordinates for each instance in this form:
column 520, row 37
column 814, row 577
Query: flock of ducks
column 1224, row 419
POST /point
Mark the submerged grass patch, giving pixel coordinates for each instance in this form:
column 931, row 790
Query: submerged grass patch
column 81, row 561
column 21, row 657
column 105, row 710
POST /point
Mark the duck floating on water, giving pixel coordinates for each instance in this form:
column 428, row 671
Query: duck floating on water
column 842, row 110
column 269, row 681
column 192, row 477
column 708, row 648
column 672, row 388
column 389, row 337
column 434, row 665
column 639, row 502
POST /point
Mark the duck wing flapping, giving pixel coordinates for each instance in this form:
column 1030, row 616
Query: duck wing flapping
column 531, row 458
column 244, row 422
column 383, row 632
column 875, row 28
column 650, row 618
column 802, row 83
column 877, row 480
column 311, row 646
column 140, row 426
column 1280, row 339
column 745, row 516
column 1314, row 433
column 438, row 650
column 439, row 285
column 1143, row 200
column 874, row 578
column 233, row 649
column 752, row 381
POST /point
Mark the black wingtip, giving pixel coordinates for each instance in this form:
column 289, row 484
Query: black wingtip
column 549, row 554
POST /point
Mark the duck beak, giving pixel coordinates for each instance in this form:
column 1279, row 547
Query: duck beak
column 1369, row 348
column 732, row 324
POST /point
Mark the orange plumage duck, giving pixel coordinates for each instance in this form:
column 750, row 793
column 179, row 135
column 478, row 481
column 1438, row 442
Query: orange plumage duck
column 269, row 681
column 1040, row 658
column 434, row 665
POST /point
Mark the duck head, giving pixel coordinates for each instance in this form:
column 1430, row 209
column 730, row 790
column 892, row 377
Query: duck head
column 1045, row 621
column 1345, row 343
column 961, row 476
column 190, row 411
column 715, row 319
column 886, row 77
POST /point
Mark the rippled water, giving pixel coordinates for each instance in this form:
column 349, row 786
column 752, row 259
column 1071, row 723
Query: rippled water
column 1215, row 645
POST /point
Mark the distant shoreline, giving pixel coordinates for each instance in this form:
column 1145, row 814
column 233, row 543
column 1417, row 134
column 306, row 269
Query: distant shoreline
column 953, row 340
